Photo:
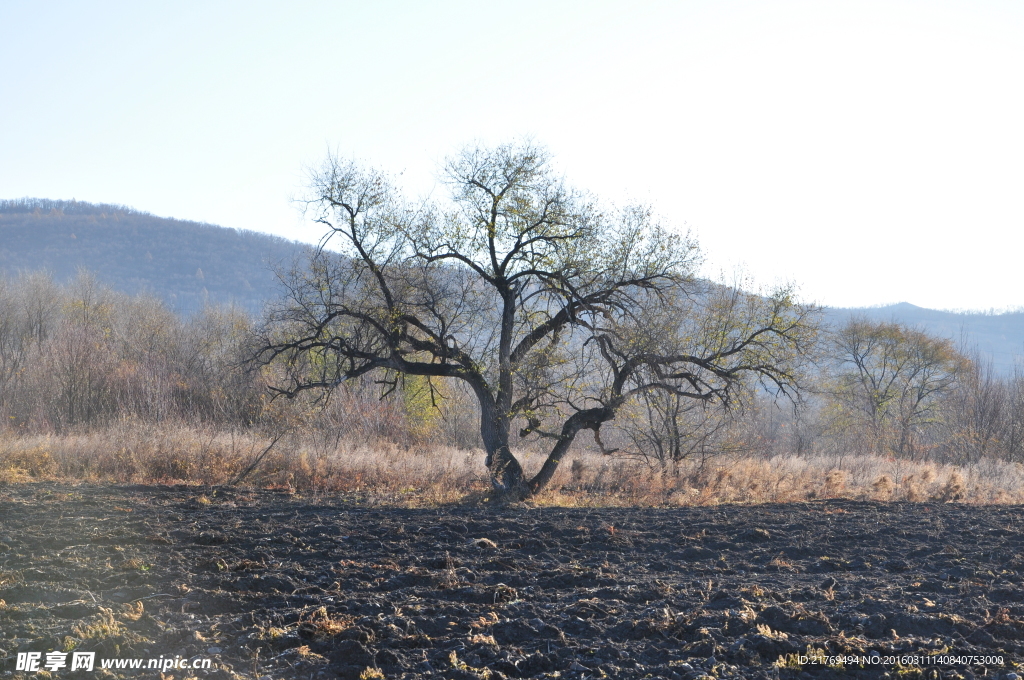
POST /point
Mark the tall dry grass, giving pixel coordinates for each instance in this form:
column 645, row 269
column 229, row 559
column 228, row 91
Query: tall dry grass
column 783, row 479
column 385, row 473
column 140, row 453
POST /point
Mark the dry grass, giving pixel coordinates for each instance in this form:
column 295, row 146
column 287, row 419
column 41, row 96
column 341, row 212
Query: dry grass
column 783, row 479
column 139, row 453
column 321, row 626
column 386, row 474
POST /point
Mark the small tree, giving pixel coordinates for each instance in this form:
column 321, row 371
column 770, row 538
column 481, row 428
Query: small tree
column 552, row 310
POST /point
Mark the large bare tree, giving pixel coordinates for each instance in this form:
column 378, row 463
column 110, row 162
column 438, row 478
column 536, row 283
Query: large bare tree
column 553, row 310
column 890, row 378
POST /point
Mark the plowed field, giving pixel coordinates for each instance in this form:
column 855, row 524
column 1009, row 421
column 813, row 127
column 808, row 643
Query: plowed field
column 266, row 584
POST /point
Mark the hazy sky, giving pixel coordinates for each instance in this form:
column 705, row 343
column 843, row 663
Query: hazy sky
column 870, row 152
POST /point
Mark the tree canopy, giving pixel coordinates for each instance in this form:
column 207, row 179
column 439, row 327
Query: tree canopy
column 554, row 309
column 891, row 377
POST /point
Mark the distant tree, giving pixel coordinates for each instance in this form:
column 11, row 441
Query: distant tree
column 889, row 378
column 983, row 416
column 81, row 355
column 667, row 429
column 552, row 310
column 14, row 340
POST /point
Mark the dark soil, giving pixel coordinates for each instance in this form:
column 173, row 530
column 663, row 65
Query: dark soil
column 269, row 584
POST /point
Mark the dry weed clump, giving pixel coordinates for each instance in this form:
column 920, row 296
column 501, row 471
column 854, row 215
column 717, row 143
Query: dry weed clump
column 883, row 488
column 954, row 489
column 835, row 483
column 102, row 627
column 386, row 473
column 320, row 625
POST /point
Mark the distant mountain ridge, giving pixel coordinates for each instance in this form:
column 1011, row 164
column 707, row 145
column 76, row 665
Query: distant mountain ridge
column 189, row 263
column 186, row 264
column 999, row 338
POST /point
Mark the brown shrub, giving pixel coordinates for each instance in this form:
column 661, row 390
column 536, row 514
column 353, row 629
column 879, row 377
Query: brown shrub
column 953, row 490
column 883, row 487
column 835, row 483
column 912, row 490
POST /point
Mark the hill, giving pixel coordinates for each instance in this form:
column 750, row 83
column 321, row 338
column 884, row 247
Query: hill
column 999, row 338
column 184, row 263
column 189, row 263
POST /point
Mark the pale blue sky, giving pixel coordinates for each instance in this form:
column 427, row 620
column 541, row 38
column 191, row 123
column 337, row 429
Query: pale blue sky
column 871, row 152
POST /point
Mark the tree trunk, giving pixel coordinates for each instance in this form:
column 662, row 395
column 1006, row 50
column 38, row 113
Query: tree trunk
column 589, row 419
column 506, row 473
column 547, row 471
